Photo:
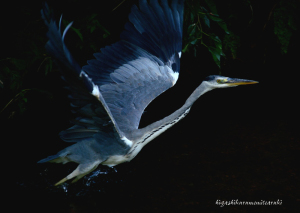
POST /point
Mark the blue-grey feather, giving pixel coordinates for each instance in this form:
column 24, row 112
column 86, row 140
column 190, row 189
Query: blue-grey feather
column 93, row 126
column 49, row 158
column 55, row 46
column 137, row 91
column 130, row 74
column 156, row 28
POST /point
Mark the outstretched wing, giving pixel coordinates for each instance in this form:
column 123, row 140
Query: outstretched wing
column 94, row 117
column 145, row 63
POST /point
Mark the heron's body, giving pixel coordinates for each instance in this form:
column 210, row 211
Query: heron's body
column 110, row 94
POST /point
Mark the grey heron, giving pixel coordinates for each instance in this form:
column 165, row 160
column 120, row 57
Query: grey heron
column 110, row 93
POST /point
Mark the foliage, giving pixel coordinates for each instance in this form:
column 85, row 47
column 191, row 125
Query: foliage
column 13, row 73
column 201, row 22
column 285, row 22
column 231, row 44
column 33, row 60
column 89, row 25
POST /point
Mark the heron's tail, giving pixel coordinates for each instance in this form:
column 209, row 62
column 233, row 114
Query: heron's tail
column 71, row 154
column 54, row 159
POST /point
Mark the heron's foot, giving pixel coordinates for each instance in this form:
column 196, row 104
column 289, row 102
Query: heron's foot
column 61, row 181
column 79, row 172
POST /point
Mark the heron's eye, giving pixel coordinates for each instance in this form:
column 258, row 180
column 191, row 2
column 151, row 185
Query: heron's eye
column 219, row 81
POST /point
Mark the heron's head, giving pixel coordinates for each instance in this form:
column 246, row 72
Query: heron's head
column 217, row 81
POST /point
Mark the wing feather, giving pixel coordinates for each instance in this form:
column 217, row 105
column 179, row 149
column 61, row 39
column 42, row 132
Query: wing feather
column 126, row 76
column 94, row 118
column 145, row 63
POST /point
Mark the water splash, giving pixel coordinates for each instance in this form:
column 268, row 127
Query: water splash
column 91, row 179
column 65, row 187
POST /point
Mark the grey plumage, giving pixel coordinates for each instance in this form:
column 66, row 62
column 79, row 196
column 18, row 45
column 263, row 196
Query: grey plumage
column 110, row 93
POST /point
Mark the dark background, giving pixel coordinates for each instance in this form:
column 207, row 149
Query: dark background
column 238, row 143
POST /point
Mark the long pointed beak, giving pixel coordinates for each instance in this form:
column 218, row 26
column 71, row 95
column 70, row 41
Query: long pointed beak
column 237, row 81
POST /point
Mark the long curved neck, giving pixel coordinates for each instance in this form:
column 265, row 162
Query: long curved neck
column 151, row 131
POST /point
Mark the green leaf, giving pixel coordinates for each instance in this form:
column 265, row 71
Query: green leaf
column 103, row 28
column 212, row 6
column 285, row 23
column 203, row 9
column 218, row 42
column 77, row 31
column 20, row 64
column 193, row 30
column 220, row 22
column 206, row 21
column 223, row 25
column 216, row 54
column 215, row 38
column 92, row 16
column 92, row 29
column 192, row 17
column 214, row 18
column 48, row 66
column 190, row 28
column 185, row 48
column 194, row 41
column 231, row 44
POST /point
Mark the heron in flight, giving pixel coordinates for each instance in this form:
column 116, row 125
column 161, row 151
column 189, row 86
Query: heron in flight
column 111, row 92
